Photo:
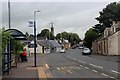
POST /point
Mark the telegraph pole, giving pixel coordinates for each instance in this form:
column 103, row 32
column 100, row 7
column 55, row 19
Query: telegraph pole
column 9, row 24
column 9, row 14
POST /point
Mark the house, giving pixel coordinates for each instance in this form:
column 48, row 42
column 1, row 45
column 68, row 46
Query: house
column 44, row 46
column 65, row 44
column 49, row 46
column 108, row 43
column 30, row 47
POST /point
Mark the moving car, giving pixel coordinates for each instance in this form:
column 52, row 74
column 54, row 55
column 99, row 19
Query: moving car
column 86, row 51
column 80, row 47
column 62, row 51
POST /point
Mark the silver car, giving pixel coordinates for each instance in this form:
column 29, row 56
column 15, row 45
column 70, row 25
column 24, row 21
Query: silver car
column 62, row 51
column 86, row 51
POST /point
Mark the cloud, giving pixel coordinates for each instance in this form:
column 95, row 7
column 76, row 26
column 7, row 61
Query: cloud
column 67, row 16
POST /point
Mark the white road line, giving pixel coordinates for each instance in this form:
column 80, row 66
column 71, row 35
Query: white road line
column 74, row 59
column 81, row 65
column 104, row 74
column 112, row 77
column 87, row 68
column 58, row 68
column 94, row 70
column 100, row 67
column 115, row 71
column 47, row 66
column 62, row 68
column 83, row 61
column 95, row 65
column 69, row 71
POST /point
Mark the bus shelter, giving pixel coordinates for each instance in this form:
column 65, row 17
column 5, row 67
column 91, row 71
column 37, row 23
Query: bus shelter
column 9, row 59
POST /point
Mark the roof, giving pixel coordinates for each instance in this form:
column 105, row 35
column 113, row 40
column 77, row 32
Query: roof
column 54, row 43
column 16, row 34
column 47, row 43
column 43, row 43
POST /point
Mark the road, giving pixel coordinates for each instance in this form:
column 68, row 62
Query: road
column 73, row 64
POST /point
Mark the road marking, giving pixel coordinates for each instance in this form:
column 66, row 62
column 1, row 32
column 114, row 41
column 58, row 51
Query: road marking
column 69, row 71
column 49, row 75
column 62, row 68
column 82, row 61
column 58, row 68
column 81, row 65
column 31, row 68
column 65, row 67
column 115, row 71
column 74, row 58
column 94, row 70
column 100, row 67
column 95, row 65
column 70, row 67
column 87, row 68
column 92, row 65
column 104, row 74
column 112, row 77
column 41, row 73
column 47, row 66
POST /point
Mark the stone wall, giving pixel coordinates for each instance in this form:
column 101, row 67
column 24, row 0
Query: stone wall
column 119, row 43
column 113, row 44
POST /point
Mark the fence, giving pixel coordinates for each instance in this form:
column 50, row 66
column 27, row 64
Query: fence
column 8, row 61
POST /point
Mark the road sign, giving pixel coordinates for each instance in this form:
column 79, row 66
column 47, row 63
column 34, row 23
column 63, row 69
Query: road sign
column 31, row 24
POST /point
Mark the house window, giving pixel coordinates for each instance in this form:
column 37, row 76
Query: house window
column 113, row 30
column 117, row 29
column 104, row 47
column 31, row 45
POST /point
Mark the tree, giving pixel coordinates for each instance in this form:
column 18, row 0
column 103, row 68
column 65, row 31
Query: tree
column 90, row 36
column 58, row 36
column 5, row 38
column 27, row 34
column 46, row 33
column 16, row 45
column 107, row 15
column 31, row 37
column 73, row 38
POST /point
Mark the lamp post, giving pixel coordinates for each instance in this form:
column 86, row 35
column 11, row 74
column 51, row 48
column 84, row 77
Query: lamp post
column 35, row 38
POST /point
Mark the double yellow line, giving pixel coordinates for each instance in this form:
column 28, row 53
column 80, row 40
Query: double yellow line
column 43, row 73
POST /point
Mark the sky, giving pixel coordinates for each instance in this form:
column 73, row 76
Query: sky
column 73, row 16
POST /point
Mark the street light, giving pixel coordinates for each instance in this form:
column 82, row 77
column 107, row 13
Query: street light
column 35, row 37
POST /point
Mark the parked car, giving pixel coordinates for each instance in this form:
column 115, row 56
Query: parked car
column 62, row 51
column 86, row 51
column 81, row 47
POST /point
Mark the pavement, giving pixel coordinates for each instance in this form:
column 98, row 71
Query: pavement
column 26, row 70
column 106, row 57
